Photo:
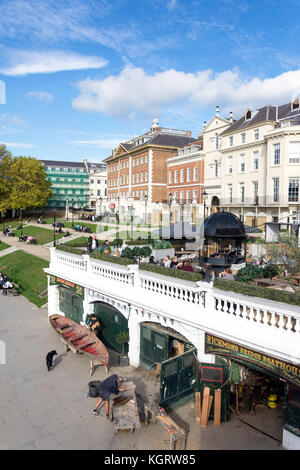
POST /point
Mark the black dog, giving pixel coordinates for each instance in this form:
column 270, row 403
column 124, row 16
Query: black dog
column 49, row 359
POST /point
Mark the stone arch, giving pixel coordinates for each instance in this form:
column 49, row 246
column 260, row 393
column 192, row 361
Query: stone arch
column 215, row 204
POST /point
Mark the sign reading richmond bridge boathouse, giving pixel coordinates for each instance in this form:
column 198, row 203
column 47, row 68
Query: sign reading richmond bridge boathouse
column 288, row 371
column 54, row 280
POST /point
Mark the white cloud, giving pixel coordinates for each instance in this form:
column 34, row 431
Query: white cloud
column 18, row 145
column 172, row 4
column 101, row 143
column 28, row 62
column 133, row 90
column 40, row 95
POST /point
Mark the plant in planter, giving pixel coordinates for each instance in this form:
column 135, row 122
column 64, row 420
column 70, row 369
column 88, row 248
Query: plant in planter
column 123, row 338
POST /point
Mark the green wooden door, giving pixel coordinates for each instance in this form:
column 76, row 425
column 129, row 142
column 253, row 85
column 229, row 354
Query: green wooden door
column 154, row 347
column 113, row 323
column 70, row 304
column 176, row 378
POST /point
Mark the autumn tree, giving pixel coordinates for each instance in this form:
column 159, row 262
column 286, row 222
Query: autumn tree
column 5, row 182
column 286, row 252
column 29, row 185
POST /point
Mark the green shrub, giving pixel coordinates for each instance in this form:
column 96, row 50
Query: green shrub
column 291, row 298
column 127, row 253
column 161, row 244
column 70, row 249
column 118, row 242
column 177, row 273
column 111, row 259
column 270, row 270
column 250, row 273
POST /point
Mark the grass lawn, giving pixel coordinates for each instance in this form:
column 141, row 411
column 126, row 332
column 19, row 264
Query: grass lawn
column 3, row 246
column 77, row 241
column 27, row 271
column 68, row 224
column 42, row 235
column 126, row 235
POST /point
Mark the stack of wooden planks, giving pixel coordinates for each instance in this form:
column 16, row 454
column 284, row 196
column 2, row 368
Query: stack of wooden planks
column 203, row 411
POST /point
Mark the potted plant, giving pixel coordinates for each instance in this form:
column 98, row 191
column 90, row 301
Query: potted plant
column 123, row 338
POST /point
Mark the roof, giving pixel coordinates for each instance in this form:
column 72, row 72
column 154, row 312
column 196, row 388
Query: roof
column 62, row 163
column 266, row 113
column 159, row 138
column 224, row 225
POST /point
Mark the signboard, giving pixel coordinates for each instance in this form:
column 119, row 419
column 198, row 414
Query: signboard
column 216, row 345
column 54, row 280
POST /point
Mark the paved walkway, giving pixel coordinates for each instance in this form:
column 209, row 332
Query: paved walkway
column 42, row 410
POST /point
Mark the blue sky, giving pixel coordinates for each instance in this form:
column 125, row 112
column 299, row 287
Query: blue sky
column 82, row 76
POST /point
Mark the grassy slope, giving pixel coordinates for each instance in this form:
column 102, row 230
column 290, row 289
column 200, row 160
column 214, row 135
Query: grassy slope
column 3, row 246
column 27, row 271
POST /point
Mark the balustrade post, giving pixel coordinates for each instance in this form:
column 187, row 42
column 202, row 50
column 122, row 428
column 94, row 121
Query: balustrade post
column 87, row 264
column 135, row 277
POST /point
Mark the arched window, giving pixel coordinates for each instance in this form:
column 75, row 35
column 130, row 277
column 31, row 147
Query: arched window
column 248, row 114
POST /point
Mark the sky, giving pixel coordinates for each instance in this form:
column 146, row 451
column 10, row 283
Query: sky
column 78, row 77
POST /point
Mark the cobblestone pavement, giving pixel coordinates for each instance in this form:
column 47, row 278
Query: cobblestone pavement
column 41, row 410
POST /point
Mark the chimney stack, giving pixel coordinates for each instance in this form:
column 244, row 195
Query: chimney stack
column 230, row 116
column 217, row 110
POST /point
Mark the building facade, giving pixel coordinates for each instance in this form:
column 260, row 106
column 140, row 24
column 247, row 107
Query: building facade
column 97, row 188
column 186, row 181
column 137, row 169
column 254, row 170
column 69, row 182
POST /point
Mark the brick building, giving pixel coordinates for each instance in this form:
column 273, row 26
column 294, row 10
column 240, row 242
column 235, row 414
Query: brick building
column 137, row 169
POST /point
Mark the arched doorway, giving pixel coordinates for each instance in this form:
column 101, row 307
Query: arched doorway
column 113, row 322
column 215, row 205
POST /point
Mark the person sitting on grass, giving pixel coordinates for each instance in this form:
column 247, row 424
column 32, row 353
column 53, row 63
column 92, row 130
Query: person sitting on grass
column 23, row 238
column 29, row 239
column 7, row 285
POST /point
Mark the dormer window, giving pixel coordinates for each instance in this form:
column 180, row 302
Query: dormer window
column 295, row 104
column 248, row 115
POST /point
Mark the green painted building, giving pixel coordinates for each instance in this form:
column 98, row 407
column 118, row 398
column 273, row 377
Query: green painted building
column 69, row 180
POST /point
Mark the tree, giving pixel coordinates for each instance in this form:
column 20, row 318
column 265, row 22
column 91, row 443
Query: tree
column 29, row 184
column 5, row 182
column 285, row 252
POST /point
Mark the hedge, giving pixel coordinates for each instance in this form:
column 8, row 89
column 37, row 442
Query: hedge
column 290, row 298
column 70, row 249
column 111, row 259
column 171, row 272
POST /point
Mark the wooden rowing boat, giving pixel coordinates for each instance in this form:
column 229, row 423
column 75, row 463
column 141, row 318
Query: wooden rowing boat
column 80, row 338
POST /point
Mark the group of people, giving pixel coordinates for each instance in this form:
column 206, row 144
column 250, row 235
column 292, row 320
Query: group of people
column 40, row 220
column 81, row 228
column 8, row 232
column 174, row 263
column 27, row 239
column 92, row 243
column 5, row 283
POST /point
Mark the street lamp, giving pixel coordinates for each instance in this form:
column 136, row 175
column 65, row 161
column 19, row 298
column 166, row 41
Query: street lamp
column 131, row 210
column 204, row 194
column 100, row 200
column 21, row 221
column 67, row 208
column 54, row 227
column 146, row 200
column 72, row 212
column 170, row 202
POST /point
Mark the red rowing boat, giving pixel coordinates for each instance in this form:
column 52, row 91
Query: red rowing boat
column 80, row 337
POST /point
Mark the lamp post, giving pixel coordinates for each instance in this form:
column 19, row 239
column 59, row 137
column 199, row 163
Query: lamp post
column 204, row 194
column 131, row 209
column 67, row 208
column 170, row 202
column 54, row 226
column 21, row 221
column 100, row 214
column 72, row 212
column 146, row 200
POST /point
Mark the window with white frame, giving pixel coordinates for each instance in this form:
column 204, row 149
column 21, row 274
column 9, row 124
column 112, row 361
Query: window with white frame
column 195, row 195
column 188, row 197
column 133, row 178
column 146, row 176
column 243, row 137
column 229, row 165
column 255, row 160
column 217, row 140
column 275, row 189
column 181, row 197
column 231, row 141
column 195, row 173
column 142, row 177
column 242, row 160
column 142, row 160
column 133, row 162
column 137, row 177
column 276, row 154
column 230, row 193
column 176, row 176
column 255, row 191
column 188, row 176
column 146, row 158
column 242, row 192
column 175, row 196
column 256, row 134
column 216, row 169
column 293, row 190
column 181, row 175
column 170, row 177
column 294, row 152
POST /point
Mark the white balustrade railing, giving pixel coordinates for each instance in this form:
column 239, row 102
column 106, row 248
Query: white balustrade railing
column 69, row 260
column 111, row 271
column 263, row 313
column 172, row 288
